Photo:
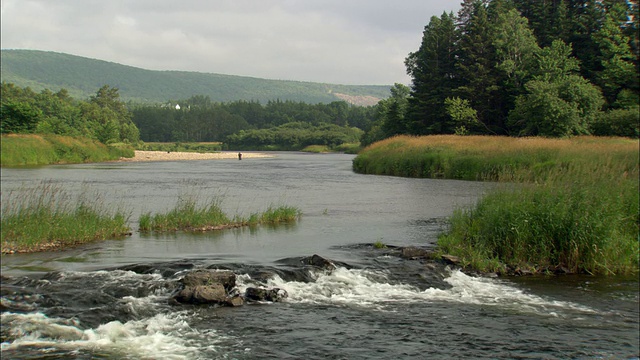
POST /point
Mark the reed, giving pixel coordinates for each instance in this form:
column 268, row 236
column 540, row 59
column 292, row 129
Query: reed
column 33, row 149
column 188, row 215
column 575, row 208
column 48, row 217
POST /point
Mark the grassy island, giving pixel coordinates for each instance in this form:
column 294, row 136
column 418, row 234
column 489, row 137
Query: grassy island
column 574, row 208
column 188, row 215
column 49, row 218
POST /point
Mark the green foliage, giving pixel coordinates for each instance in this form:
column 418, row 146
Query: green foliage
column 104, row 117
column 490, row 55
column 47, row 217
column 18, row 118
column 618, row 122
column 293, row 136
column 49, row 70
column 431, row 68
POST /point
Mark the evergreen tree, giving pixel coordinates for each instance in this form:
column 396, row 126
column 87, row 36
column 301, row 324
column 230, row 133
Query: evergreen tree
column 619, row 73
column 476, row 67
column 432, row 69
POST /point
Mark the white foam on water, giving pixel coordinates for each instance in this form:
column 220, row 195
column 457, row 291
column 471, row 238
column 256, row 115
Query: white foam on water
column 162, row 336
column 357, row 287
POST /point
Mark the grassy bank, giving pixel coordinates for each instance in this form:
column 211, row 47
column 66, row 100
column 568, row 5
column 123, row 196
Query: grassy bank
column 188, row 215
column 575, row 210
column 46, row 218
column 489, row 157
column 20, row 150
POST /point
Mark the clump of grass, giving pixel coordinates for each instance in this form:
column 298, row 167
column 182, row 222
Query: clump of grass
column 189, row 216
column 48, row 217
column 379, row 245
column 580, row 220
column 275, row 215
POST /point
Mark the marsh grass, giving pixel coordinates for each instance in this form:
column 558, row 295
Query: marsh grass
column 34, row 149
column 575, row 205
column 48, row 217
column 188, row 215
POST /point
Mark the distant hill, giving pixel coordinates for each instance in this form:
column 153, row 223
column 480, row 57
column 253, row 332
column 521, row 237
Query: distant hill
column 82, row 77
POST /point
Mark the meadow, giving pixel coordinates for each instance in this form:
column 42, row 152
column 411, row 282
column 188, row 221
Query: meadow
column 566, row 205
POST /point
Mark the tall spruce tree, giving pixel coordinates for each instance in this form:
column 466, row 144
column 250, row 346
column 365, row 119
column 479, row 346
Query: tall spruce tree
column 476, row 67
column 433, row 73
column 619, row 73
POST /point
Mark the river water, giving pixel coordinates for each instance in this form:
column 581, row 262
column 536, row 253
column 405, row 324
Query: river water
column 109, row 300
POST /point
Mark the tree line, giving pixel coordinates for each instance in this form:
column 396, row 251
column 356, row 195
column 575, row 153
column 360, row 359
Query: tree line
column 102, row 117
column 286, row 125
column 521, row 68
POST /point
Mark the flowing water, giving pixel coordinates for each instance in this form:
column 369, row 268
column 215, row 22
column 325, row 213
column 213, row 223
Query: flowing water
column 109, row 300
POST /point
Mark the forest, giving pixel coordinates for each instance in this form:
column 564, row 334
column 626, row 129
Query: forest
column 552, row 68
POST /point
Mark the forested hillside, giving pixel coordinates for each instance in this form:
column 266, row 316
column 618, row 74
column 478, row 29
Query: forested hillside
column 81, row 76
column 521, row 68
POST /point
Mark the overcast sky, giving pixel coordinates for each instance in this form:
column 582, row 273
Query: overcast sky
column 330, row 41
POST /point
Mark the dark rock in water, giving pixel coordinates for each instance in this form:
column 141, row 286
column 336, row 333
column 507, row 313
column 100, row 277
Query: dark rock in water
column 450, row 259
column 234, row 301
column 208, row 277
column 202, row 294
column 208, row 287
column 261, row 294
column 415, row 253
column 319, row 261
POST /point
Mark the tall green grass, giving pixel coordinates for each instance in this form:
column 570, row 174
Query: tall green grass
column 188, row 215
column 48, row 217
column 20, row 150
column 574, row 204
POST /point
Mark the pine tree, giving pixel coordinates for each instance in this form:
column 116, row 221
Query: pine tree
column 475, row 67
column 433, row 73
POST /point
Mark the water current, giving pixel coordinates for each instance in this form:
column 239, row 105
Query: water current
column 109, row 299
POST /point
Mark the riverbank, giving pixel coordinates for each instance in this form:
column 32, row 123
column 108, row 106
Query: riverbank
column 46, row 149
column 141, row 155
column 575, row 207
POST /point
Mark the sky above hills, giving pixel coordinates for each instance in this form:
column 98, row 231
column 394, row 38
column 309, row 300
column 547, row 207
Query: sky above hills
column 331, row 41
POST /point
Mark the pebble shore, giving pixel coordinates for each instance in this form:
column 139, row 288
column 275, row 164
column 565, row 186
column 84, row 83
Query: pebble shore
column 174, row 156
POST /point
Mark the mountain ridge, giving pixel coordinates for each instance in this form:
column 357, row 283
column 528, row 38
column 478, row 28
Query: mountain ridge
column 83, row 76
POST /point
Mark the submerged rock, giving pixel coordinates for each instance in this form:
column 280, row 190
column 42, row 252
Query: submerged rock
column 450, row 259
column 319, row 261
column 262, row 294
column 415, row 253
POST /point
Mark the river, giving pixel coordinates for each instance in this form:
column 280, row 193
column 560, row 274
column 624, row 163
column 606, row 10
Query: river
column 109, row 299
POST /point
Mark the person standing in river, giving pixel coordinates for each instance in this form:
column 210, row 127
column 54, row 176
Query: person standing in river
column 239, row 156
